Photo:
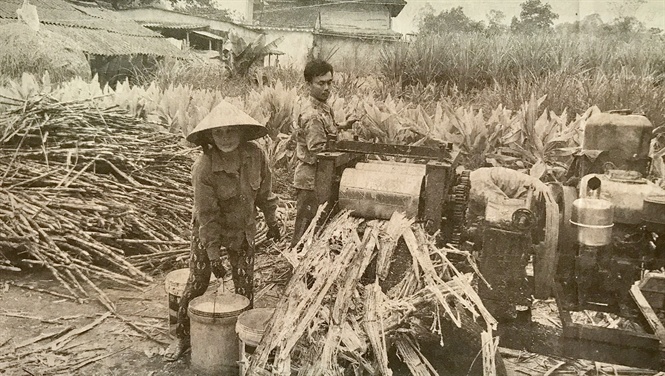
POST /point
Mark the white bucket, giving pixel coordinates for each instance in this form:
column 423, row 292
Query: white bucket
column 212, row 333
column 250, row 328
column 174, row 284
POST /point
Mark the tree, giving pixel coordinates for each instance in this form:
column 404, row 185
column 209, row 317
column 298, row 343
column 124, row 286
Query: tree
column 124, row 4
column 655, row 30
column 590, row 24
column 625, row 25
column 426, row 11
column 535, row 16
column 625, row 20
column 203, row 8
column 452, row 20
column 212, row 12
column 495, row 23
column 626, row 8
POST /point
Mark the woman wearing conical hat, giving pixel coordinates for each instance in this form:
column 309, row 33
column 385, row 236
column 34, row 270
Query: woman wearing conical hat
column 231, row 179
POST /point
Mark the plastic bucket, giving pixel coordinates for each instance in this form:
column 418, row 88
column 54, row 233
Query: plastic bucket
column 174, row 284
column 252, row 324
column 212, row 333
column 250, row 328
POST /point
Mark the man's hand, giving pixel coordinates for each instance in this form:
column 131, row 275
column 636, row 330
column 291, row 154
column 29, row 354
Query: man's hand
column 348, row 123
column 217, row 267
column 274, row 232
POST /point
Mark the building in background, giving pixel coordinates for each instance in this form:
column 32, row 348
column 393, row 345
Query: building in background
column 349, row 34
column 115, row 47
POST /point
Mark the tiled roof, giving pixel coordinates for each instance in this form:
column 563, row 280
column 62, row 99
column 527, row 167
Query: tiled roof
column 277, row 28
column 172, row 25
column 205, row 17
column 290, row 18
column 361, row 33
column 112, row 35
column 290, row 14
column 102, row 42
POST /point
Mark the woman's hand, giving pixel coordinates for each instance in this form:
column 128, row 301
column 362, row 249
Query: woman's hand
column 217, row 267
column 274, row 233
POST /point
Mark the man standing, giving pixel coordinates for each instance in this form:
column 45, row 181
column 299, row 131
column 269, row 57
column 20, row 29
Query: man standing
column 315, row 125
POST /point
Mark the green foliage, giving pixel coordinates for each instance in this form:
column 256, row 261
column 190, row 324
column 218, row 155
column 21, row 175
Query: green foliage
column 625, row 25
column 574, row 73
column 447, row 21
column 495, row 23
column 535, row 16
column 247, row 55
column 208, row 11
column 124, row 4
column 542, row 143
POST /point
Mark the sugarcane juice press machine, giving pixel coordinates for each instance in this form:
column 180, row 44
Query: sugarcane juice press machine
column 612, row 231
column 429, row 186
column 423, row 185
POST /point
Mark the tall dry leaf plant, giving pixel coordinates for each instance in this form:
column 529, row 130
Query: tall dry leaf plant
column 542, row 145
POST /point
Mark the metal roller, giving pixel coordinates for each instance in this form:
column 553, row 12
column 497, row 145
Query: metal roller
column 393, row 167
column 379, row 190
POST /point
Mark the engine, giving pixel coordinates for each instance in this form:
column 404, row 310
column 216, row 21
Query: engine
column 614, row 228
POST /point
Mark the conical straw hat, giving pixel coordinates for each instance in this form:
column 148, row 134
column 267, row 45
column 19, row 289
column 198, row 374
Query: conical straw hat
column 227, row 115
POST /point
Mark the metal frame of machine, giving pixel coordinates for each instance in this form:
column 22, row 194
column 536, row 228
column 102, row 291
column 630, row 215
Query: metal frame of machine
column 441, row 186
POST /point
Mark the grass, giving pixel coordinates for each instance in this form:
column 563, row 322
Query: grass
column 575, row 71
column 476, row 61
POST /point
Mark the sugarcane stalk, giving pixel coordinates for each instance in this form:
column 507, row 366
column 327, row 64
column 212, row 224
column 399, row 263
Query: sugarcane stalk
column 57, row 294
column 153, row 169
column 101, row 296
column 118, row 278
column 68, row 272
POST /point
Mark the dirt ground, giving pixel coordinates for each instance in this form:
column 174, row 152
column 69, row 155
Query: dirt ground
column 130, row 347
column 25, row 315
column 115, row 347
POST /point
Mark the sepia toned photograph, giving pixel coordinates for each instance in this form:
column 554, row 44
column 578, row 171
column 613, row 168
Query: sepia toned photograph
column 332, row 187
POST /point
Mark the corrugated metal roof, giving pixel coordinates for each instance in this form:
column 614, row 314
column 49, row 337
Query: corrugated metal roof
column 274, row 51
column 208, row 34
column 277, row 28
column 102, row 42
column 395, row 6
column 295, row 14
column 119, row 27
column 98, row 12
column 114, row 35
column 171, row 25
column 387, row 35
column 50, row 5
column 205, row 17
column 47, row 10
column 290, row 18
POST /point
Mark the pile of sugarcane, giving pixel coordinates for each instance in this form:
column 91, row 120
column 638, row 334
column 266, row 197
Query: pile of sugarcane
column 82, row 187
column 339, row 317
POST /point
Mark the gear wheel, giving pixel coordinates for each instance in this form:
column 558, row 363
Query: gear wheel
column 460, row 201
